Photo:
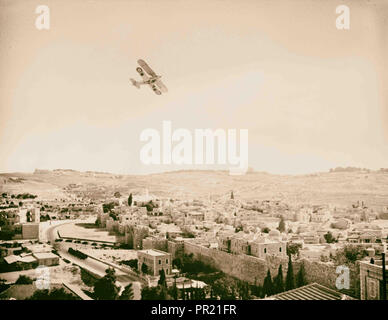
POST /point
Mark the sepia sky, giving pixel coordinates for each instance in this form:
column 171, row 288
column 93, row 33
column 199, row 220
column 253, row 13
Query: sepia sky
column 312, row 97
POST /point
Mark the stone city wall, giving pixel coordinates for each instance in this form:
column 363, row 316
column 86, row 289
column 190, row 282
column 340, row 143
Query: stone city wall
column 253, row 270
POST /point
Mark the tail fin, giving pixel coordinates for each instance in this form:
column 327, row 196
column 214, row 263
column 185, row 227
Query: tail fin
column 135, row 83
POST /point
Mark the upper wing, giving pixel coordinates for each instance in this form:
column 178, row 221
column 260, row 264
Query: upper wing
column 142, row 73
column 146, row 67
column 160, row 84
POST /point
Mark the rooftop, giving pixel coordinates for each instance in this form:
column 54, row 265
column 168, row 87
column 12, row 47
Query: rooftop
column 313, row 291
column 153, row 252
column 45, row 255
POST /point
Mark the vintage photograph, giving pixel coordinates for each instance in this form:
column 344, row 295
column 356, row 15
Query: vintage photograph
column 193, row 150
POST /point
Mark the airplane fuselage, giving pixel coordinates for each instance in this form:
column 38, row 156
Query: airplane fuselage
column 151, row 80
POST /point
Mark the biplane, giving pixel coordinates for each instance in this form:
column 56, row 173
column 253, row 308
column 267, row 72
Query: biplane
column 149, row 77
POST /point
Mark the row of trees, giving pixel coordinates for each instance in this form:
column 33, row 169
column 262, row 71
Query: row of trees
column 221, row 286
column 19, row 196
column 278, row 285
column 77, row 253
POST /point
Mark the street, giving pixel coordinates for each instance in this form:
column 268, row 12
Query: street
column 92, row 265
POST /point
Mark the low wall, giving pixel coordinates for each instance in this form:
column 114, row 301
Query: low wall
column 88, row 240
column 325, row 274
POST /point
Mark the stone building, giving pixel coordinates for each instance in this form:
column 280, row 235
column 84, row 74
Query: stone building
column 30, row 230
column 155, row 260
column 371, row 280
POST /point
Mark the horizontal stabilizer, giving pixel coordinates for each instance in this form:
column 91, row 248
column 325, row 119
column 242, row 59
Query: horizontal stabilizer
column 135, row 83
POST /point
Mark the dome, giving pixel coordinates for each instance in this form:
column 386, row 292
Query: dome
column 274, row 233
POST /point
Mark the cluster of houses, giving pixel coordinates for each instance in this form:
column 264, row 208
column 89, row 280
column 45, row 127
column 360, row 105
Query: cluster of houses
column 249, row 228
column 24, row 255
column 22, row 222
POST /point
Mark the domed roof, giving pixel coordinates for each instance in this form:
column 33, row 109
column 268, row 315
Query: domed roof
column 274, row 233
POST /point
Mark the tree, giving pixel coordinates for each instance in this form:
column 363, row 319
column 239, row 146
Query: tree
column 329, row 237
column 243, row 290
column 290, row 279
column 54, row 294
column 278, row 281
column 231, row 195
column 268, row 289
column 225, row 289
column 150, row 293
column 266, row 230
column 177, row 262
column 238, row 228
column 282, row 225
column 105, row 288
column 117, row 194
column 3, row 285
column 301, row 277
column 173, row 291
column 127, row 294
column 350, row 254
column 162, row 278
column 293, row 248
column 144, row 268
column 154, row 293
column 133, row 263
column 130, row 200
column 24, row 280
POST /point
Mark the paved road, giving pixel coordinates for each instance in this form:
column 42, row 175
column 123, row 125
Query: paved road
column 92, row 265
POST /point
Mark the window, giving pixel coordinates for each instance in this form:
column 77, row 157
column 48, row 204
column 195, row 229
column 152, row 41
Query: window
column 265, row 250
column 160, row 261
column 372, row 288
column 167, row 261
column 280, row 249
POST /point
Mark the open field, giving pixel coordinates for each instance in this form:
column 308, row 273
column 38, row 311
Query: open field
column 111, row 255
column 76, row 231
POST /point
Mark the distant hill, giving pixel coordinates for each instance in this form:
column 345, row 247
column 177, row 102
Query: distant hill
column 349, row 169
column 335, row 187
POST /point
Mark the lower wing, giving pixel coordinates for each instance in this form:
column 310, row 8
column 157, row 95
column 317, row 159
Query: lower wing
column 155, row 89
column 160, row 84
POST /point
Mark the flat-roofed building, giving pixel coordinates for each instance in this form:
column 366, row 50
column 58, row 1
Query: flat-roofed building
column 155, row 260
column 268, row 247
column 47, row 258
column 30, row 230
column 195, row 215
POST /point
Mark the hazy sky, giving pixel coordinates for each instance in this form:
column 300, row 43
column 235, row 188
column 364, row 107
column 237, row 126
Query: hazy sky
column 312, row 97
